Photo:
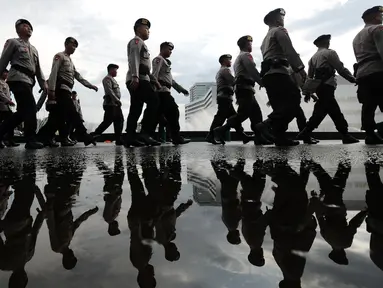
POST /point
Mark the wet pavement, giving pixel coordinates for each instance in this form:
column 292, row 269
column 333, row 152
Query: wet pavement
column 192, row 216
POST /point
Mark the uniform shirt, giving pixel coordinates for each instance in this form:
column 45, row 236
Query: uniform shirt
column 277, row 45
column 112, row 90
column 296, row 77
column 63, row 68
column 76, row 103
column 138, row 55
column 244, row 66
column 22, row 53
column 368, row 43
column 5, row 96
column 327, row 58
column 162, row 71
column 225, row 81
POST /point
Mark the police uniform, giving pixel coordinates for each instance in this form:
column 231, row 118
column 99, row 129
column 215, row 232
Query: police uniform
column 61, row 80
column 369, row 73
column 112, row 106
column 5, row 109
column 168, row 108
column 140, row 66
column 322, row 66
column 246, row 75
column 25, row 66
column 284, row 96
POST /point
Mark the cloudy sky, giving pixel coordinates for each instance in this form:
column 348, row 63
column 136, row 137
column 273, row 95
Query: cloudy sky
column 200, row 30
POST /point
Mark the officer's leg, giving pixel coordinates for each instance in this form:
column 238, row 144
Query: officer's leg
column 150, row 117
column 136, row 105
column 107, row 121
column 9, row 136
column 222, row 113
column 26, row 112
column 301, row 119
column 118, row 124
column 46, row 134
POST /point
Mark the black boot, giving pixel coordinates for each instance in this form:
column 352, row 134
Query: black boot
column 219, row 133
column 131, row 141
column 147, row 140
column 88, row 139
column 51, row 143
column 260, row 140
column 67, row 143
column 11, row 143
column 349, row 139
column 2, row 145
column 119, row 141
column 283, row 141
column 34, row 145
column 373, row 138
column 264, row 130
column 179, row 140
column 210, row 138
column 245, row 137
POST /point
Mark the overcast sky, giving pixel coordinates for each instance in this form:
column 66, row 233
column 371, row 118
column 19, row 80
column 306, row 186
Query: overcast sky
column 200, row 30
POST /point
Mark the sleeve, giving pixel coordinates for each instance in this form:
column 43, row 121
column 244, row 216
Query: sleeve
column 288, row 49
column 157, row 64
column 108, row 88
column 6, row 55
column 228, row 76
column 5, row 96
column 378, row 39
column 54, row 72
column 39, row 73
column 310, row 72
column 248, row 62
column 334, row 61
column 134, row 57
column 177, row 86
column 80, row 79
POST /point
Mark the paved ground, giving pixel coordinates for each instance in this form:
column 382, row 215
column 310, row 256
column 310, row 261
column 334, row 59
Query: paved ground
column 68, row 182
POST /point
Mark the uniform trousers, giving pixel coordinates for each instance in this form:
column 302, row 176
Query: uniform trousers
column 248, row 107
column 26, row 111
column 327, row 105
column 112, row 114
column 284, row 98
column 370, row 94
column 224, row 112
column 168, row 109
column 143, row 94
column 4, row 116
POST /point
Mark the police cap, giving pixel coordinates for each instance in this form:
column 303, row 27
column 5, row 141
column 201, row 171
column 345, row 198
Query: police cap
column 23, row 21
column 112, row 66
column 71, row 39
column 167, row 44
column 373, row 10
column 243, row 40
column 272, row 14
column 142, row 21
column 322, row 38
column 223, row 57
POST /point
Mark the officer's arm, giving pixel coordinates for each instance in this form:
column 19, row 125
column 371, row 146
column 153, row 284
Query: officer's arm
column 289, row 51
column 39, row 73
column 248, row 62
column 226, row 74
column 6, row 56
column 157, row 64
column 80, row 79
column 57, row 60
column 334, row 61
column 134, row 57
column 5, row 97
column 178, row 87
column 108, row 88
column 310, row 72
column 378, row 39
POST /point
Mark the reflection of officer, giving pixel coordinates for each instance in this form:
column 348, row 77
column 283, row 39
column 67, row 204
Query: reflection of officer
column 25, row 66
column 112, row 105
column 168, row 108
column 322, row 66
column 141, row 91
column 246, row 75
column 369, row 70
column 225, row 91
column 278, row 54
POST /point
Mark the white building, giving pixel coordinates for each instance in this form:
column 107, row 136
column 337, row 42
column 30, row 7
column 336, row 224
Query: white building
column 199, row 90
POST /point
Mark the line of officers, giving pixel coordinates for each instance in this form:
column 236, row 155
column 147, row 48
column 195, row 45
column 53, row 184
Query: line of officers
column 280, row 67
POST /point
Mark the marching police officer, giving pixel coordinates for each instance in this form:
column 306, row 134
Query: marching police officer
column 322, row 67
column 368, row 51
column 225, row 91
column 168, row 107
column 25, row 66
column 284, row 96
column 139, row 83
column 60, row 83
column 246, row 75
column 112, row 105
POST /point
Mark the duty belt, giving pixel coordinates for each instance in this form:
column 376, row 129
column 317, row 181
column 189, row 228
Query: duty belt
column 25, row 71
column 226, row 90
column 163, row 83
column 243, row 81
column 144, row 70
column 61, row 81
column 273, row 63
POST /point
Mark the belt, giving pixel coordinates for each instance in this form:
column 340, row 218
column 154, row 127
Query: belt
column 24, row 70
column 65, row 82
column 226, row 90
column 163, row 83
column 244, row 81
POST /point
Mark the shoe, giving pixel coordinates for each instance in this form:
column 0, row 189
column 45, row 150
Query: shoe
column 119, row 142
column 51, row 143
column 309, row 140
column 11, row 143
column 349, row 139
column 210, row 139
column 373, row 139
column 88, row 139
column 180, row 140
column 67, row 143
column 2, row 145
column 286, row 142
column 219, row 133
column 148, row 141
column 33, row 145
column 246, row 138
column 264, row 130
column 260, row 140
column 304, row 135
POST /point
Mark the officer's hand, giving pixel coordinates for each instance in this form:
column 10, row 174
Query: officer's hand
column 51, row 95
column 134, row 83
column 11, row 104
column 303, row 75
column 95, row 88
column 158, row 85
column 307, row 98
column 119, row 103
column 185, row 92
column 314, row 97
column 268, row 104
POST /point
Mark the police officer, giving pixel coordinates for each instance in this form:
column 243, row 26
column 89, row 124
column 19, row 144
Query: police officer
column 112, row 105
column 246, row 75
column 322, row 66
column 225, row 91
column 60, row 83
column 25, row 66
column 368, row 51
column 139, row 83
column 168, row 107
column 77, row 105
column 284, row 96
column 5, row 109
